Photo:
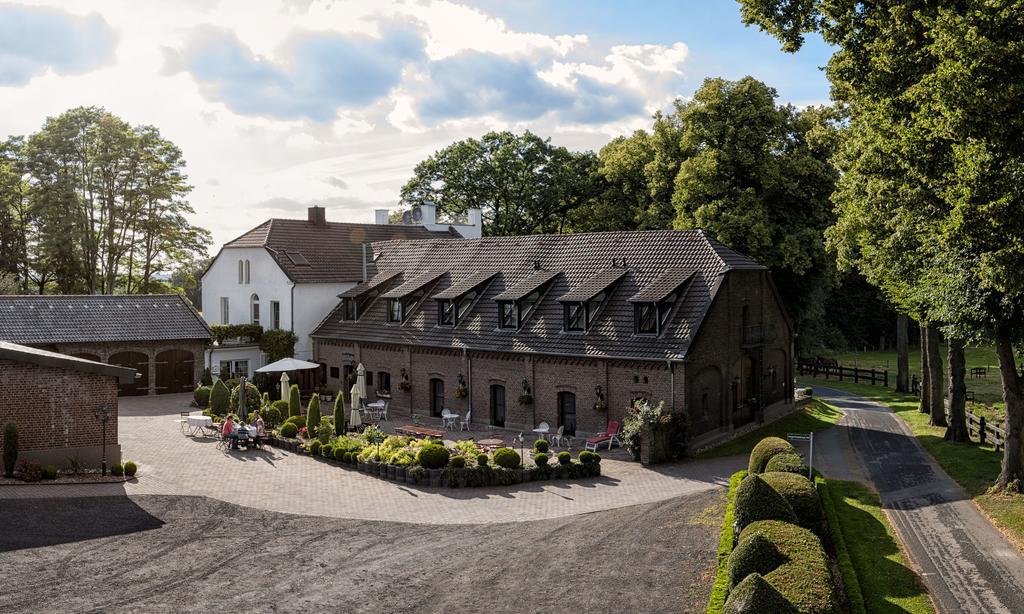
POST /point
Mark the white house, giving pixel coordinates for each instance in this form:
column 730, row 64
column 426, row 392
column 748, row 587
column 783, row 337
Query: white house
column 288, row 274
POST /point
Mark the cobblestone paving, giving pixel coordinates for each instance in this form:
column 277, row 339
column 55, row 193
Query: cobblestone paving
column 172, row 463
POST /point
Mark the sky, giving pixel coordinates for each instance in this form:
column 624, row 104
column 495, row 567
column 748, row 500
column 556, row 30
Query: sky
column 281, row 104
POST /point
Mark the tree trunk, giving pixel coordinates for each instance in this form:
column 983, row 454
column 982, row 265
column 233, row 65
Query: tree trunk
column 925, row 406
column 902, row 355
column 957, row 429
column 937, row 408
column 1012, row 473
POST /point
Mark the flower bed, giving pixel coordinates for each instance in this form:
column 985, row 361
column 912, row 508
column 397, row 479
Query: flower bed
column 428, row 462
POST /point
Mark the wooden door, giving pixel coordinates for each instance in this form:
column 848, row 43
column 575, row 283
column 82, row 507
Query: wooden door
column 567, row 412
column 139, row 362
column 436, row 396
column 498, row 405
column 174, row 371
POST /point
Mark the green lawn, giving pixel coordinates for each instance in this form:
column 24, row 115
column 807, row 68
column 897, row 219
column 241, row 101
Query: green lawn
column 973, row 466
column 812, row 417
column 887, row 582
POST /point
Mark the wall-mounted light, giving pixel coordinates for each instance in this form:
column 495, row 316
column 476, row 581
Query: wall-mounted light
column 462, row 380
column 526, row 387
column 404, row 374
column 599, row 392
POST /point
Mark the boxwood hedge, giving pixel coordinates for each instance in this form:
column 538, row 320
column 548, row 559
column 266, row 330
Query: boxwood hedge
column 798, row 491
column 765, row 450
column 786, row 462
column 755, row 595
column 756, row 500
column 805, row 579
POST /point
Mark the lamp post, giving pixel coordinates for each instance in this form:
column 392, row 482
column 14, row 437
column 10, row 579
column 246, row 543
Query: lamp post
column 103, row 414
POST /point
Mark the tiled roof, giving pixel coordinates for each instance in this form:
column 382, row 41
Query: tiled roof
column 48, row 319
column 466, row 284
column 568, row 262
column 332, row 252
column 374, row 282
column 413, row 285
column 527, row 285
column 593, row 286
column 659, row 289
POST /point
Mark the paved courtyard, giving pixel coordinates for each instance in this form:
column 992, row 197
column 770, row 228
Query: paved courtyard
column 274, row 480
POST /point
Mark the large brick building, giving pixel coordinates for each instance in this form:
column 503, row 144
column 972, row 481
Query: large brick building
column 581, row 324
column 53, row 399
column 160, row 336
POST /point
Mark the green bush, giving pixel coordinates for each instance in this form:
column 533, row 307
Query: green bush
column 202, row 396
column 506, row 458
column 341, row 454
column 49, row 472
column 281, row 405
column 542, row 446
column 294, row 401
column 726, row 542
column 564, row 458
column 288, row 429
column 755, row 555
column 481, row 460
column 433, row 456
column 130, row 468
column 788, row 462
column 756, row 500
column 586, row 457
column 219, row 398
column 457, row 462
column 253, row 398
column 755, row 595
column 10, row 448
column 298, row 421
column 541, row 460
column 805, row 578
column 271, row 417
column 808, row 391
column 765, row 450
column 326, row 450
column 117, row 470
column 339, row 414
column 314, row 447
column 798, row 491
column 313, row 411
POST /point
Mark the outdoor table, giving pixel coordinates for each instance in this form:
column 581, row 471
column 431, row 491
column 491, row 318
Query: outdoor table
column 419, row 431
column 542, row 433
column 450, row 419
column 375, row 405
column 490, row 444
column 196, row 423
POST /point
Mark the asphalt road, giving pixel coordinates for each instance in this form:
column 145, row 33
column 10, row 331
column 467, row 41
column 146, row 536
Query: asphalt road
column 195, row 554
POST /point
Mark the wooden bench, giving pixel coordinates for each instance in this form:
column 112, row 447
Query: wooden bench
column 419, row 431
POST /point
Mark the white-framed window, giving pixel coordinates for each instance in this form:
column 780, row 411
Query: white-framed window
column 230, row 369
column 247, row 278
column 225, row 311
column 275, row 314
column 254, row 302
column 241, row 272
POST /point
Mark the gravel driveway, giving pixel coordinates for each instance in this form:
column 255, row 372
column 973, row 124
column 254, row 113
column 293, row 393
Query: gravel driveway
column 195, row 554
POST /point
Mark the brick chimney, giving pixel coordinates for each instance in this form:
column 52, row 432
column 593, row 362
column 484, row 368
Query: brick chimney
column 380, row 217
column 317, row 215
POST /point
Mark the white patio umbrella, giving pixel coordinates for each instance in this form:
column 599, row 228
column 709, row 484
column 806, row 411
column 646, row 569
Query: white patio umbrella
column 354, row 418
column 287, row 364
column 284, row 386
column 361, row 381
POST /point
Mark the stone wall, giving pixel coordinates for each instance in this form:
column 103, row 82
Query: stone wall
column 54, row 409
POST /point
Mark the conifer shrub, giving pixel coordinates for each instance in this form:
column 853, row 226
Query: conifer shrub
column 219, row 398
column 294, row 401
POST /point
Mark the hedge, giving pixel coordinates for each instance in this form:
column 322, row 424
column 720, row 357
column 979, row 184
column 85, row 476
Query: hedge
column 757, row 500
column 786, row 461
column 853, row 591
column 798, row 491
column 758, row 554
column 804, row 579
column 755, row 595
column 765, row 450
column 720, row 589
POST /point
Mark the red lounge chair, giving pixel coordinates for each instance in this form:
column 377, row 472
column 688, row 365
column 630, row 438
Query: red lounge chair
column 610, row 435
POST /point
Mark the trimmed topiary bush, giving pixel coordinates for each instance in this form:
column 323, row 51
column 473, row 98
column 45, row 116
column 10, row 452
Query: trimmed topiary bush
column 586, row 457
column 314, row 447
column 755, row 555
column 298, row 421
column 49, row 472
column 755, row 595
column 294, row 401
column 541, row 460
column 288, row 429
column 756, row 500
column 507, row 458
column 10, row 448
column 327, row 450
column 564, row 458
column 339, row 414
column 765, row 450
column 281, row 406
column 791, row 463
column 457, row 462
column 341, row 454
column 801, row 495
column 253, row 398
column 271, row 417
column 219, row 398
column 117, row 470
column 313, row 411
column 201, row 396
column 433, row 456
column 542, row 446
column 130, row 468
column 481, row 460
column 804, row 579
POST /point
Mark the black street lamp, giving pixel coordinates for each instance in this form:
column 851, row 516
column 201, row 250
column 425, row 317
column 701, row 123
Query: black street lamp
column 103, row 414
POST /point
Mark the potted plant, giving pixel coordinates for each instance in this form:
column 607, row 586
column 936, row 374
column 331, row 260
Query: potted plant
column 600, row 406
column 461, row 392
column 526, row 399
column 404, row 386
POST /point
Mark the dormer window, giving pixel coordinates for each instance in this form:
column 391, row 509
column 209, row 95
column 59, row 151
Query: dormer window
column 507, row 315
column 654, row 304
column 395, row 311
column 575, row 317
column 356, row 300
column 582, row 305
column 350, row 309
column 403, row 300
column 646, row 320
column 446, row 312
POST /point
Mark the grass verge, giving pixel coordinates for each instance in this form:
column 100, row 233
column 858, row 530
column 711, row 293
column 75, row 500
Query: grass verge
column 854, row 596
column 973, row 466
column 814, row 416
column 885, row 580
column 720, row 589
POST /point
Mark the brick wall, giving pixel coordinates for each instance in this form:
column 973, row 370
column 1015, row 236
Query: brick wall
column 54, row 410
column 104, row 351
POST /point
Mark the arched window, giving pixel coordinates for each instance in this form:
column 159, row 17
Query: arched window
column 254, row 301
column 247, row 272
column 241, row 272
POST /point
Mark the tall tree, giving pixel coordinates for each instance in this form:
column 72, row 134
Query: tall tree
column 902, row 353
column 934, row 158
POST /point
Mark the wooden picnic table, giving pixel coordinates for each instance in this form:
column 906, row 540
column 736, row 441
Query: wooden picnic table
column 979, row 371
column 419, row 431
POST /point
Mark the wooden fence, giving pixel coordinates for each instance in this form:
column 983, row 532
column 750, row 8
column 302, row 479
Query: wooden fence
column 841, row 373
column 986, row 433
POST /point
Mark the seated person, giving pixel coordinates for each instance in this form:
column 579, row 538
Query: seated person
column 259, row 431
column 229, row 427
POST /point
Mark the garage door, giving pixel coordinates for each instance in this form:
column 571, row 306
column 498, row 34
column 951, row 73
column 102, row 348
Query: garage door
column 139, row 362
column 175, row 370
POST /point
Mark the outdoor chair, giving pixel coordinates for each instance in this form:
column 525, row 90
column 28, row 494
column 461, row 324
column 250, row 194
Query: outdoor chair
column 611, row 435
column 183, row 420
column 559, row 437
column 384, row 412
column 223, row 443
column 464, row 425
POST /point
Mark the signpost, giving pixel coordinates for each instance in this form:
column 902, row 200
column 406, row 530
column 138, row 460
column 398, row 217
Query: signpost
column 808, row 437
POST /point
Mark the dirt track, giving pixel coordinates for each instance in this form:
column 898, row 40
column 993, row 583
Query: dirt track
column 190, row 554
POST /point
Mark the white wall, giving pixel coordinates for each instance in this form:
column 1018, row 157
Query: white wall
column 312, row 304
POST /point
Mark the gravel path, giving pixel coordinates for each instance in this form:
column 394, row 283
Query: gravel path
column 967, row 565
column 195, row 554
